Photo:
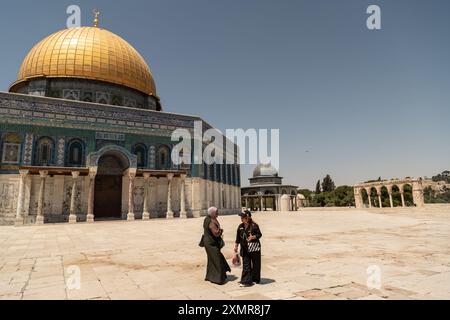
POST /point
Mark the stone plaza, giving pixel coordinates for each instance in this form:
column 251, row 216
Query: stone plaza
column 315, row 253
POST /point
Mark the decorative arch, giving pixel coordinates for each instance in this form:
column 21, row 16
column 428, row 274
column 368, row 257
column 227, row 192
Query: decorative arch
column 364, row 197
column 374, row 197
column 269, row 200
column 163, row 157
column 128, row 159
column 45, row 152
column 385, row 196
column 140, row 151
column 76, row 153
column 408, row 194
column 391, row 193
column 252, row 200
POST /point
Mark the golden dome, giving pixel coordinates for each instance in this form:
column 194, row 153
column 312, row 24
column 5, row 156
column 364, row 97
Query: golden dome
column 88, row 53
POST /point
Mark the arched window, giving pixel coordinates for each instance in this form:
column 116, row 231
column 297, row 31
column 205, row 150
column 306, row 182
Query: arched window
column 140, row 151
column 75, row 153
column 44, row 152
column 162, row 158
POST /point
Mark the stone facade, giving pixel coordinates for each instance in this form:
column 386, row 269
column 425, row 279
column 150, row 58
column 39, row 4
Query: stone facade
column 37, row 173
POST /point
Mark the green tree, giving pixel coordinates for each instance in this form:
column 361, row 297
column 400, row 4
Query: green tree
column 318, row 187
column 328, row 184
column 306, row 192
column 444, row 176
column 342, row 196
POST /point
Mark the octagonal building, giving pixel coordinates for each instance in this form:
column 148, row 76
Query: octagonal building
column 84, row 138
column 267, row 191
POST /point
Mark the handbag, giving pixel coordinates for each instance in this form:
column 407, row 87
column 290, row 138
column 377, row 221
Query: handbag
column 236, row 261
column 254, row 246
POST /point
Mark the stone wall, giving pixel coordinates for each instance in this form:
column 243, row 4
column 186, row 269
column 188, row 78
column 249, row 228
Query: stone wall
column 9, row 187
column 200, row 194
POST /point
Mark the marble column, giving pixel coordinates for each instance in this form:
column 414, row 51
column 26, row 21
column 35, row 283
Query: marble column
column 261, row 203
column 402, row 194
column 359, row 203
column 368, row 197
column 19, row 220
column 131, row 179
column 183, row 213
column 379, row 199
column 152, row 190
column 73, row 216
column 146, row 213
column 391, row 202
column 169, row 214
column 41, row 199
column 417, row 193
column 90, row 213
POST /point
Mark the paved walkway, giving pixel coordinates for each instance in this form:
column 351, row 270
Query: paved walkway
column 315, row 254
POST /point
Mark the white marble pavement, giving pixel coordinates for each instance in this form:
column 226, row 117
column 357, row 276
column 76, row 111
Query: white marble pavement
column 313, row 254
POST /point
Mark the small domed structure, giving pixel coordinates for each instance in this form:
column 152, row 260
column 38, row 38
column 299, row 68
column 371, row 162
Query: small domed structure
column 265, row 170
column 265, row 174
column 267, row 192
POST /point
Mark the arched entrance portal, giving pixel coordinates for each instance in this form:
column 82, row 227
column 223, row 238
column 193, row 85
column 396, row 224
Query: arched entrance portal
column 108, row 187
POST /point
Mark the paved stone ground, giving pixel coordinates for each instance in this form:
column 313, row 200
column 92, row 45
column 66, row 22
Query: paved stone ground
column 315, row 254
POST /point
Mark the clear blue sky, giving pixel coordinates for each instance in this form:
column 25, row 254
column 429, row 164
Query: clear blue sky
column 363, row 103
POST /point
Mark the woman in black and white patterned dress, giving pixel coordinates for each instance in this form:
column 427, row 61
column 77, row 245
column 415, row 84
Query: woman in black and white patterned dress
column 247, row 236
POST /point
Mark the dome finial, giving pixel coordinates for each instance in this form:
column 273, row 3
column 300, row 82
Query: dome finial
column 96, row 15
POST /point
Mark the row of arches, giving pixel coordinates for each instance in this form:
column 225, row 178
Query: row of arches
column 268, row 200
column 162, row 157
column 396, row 195
column 75, row 154
column 390, row 193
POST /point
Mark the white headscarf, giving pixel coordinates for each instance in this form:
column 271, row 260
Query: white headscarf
column 212, row 212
